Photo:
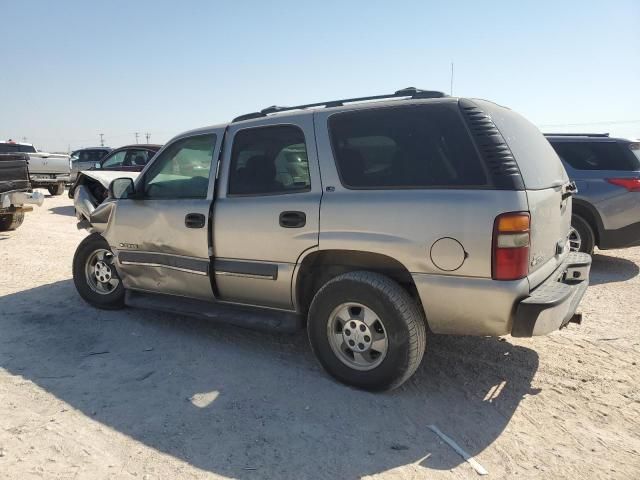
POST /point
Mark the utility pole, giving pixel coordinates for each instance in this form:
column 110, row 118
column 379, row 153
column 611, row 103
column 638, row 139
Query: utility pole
column 24, row 139
column 451, row 85
column 148, row 135
column 101, row 139
column 136, row 134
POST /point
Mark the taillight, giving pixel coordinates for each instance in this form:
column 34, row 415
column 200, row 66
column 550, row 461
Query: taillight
column 631, row 184
column 511, row 246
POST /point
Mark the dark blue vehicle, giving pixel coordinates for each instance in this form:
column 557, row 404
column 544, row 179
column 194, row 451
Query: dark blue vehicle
column 606, row 170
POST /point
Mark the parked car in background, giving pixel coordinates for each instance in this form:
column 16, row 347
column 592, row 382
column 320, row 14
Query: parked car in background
column 366, row 219
column 86, row 159
column 46, row 170
column 606, row 170
column 90, row 187
column 16, row 196
column 130, row 158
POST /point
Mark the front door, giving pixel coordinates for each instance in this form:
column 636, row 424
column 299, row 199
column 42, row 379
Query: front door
column 160, row 236
column 267, row 210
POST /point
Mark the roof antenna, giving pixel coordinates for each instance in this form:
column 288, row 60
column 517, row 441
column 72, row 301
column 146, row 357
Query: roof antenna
column 451, row 83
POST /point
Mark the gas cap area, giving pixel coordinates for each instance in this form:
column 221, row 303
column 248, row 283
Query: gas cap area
column 447, row 254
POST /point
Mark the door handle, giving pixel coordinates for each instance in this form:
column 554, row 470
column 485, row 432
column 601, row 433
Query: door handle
column 194, row 220
column 293, row 219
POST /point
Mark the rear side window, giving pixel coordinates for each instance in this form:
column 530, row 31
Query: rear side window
column 269, row 160
column 538, row 162
column 405, row 147
column 597, row 156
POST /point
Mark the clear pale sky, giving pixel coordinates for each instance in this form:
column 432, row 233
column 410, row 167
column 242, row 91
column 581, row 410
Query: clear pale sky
column 73, row 69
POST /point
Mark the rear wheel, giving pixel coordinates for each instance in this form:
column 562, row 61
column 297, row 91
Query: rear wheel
column 581, row 236
column 95, row 275
column 11, row 221
column 57, row 189
column 366, row 331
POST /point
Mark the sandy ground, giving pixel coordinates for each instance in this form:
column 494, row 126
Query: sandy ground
column 136, row 394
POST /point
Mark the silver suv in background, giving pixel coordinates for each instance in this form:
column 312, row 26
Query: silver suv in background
column 606, row 170
column 86, row 159
column 368, row 220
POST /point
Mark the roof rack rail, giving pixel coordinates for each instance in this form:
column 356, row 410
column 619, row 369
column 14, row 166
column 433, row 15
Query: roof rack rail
column 410, row 92
column 576, row 134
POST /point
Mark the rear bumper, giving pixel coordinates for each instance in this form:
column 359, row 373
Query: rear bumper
column 554, row 302
column 46, row 180
column 628, row 236
column 18, row 199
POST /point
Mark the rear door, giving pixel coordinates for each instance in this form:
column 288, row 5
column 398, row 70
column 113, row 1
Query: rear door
column 161, row 235
column 546, row 183
column 267, row 209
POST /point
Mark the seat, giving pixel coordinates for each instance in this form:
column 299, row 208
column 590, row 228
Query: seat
column 352, row 167
column 139, row 160
column 258, row 176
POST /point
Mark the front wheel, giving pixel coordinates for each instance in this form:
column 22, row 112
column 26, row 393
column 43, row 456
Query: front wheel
column 95, row 275
column 366, row 331
column 57, row 189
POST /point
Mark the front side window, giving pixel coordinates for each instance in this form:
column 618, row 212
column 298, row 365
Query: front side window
column 115, row 160
column 596, row 156
column 137, row 158
column 182, row 170
column 269, row 160
column 404, row 147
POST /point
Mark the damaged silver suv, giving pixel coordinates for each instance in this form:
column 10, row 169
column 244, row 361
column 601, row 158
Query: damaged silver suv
column 369, row 221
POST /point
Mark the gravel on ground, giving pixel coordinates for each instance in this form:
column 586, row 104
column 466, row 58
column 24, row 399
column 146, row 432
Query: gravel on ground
column 86, row 393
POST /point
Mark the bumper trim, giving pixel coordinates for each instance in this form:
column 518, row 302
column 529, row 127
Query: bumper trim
column 554, row 302
column 624, row 237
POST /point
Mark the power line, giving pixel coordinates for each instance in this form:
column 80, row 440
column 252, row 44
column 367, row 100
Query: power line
column 612, row 122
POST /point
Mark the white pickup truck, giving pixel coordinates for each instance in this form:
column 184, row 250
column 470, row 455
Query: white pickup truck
column 46, row 170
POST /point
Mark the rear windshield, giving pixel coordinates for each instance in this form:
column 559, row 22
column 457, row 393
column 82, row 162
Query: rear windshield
column 405, row 147
column 15, row 148
column 538, row 163
column 89, row 155
column 597, row 155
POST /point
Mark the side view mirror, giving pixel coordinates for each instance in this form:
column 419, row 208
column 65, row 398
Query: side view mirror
column 121, row 188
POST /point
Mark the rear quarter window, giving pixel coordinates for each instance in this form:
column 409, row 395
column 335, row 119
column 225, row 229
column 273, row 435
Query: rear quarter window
column 415, row 146
column 597, row 155
column 538, row 162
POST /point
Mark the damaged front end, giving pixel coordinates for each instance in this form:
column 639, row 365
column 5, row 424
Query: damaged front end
column 90, row 195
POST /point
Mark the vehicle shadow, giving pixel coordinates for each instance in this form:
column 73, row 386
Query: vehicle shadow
column 245, row 404
column 65, row 210
column 606, row 269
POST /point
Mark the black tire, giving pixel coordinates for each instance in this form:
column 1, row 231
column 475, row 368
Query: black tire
column 108, row 301
column 584, row 230
column 57, row 189
column 11, row 221
column 402, row 319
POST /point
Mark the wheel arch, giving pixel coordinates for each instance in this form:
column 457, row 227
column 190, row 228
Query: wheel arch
column 317, row 267
column 590, row 215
